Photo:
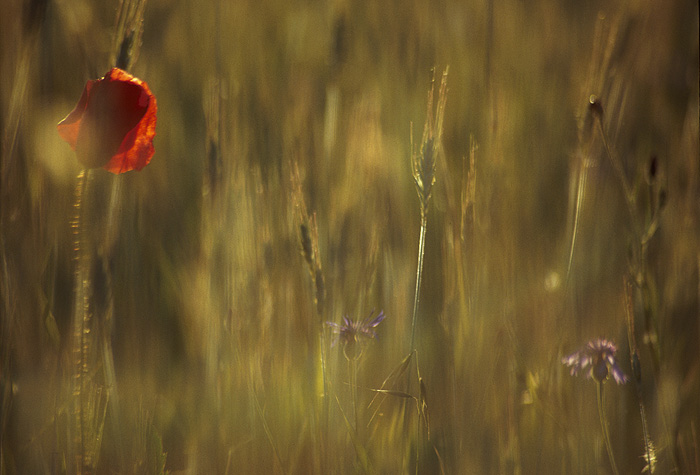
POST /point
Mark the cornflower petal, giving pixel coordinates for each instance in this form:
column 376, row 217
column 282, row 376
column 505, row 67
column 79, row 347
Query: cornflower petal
column 351, row 331
column 597, row 361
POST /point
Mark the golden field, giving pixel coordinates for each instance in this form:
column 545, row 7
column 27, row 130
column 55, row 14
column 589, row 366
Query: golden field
column 175, row 320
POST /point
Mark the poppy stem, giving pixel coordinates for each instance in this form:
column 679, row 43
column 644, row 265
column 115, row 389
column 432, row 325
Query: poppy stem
column 89, row 394
column 81, row 324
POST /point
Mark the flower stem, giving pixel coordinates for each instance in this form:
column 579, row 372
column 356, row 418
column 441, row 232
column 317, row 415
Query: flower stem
column 81, row 321
column 604, row 425
column 352, row 365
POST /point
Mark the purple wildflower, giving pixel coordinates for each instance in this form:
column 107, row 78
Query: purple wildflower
column 352, row 332
column 597, row 360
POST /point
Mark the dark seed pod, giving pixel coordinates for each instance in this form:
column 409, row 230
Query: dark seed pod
column 320, row 290
column 595, row 106
column 34, row 14
column 636, row 368
column 125, row 51
column 306, row 243
column 663, row 197
column 653, row 166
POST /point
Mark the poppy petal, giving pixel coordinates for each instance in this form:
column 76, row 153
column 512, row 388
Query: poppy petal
column 69, row 127
column 113, row 124
column 136, row 149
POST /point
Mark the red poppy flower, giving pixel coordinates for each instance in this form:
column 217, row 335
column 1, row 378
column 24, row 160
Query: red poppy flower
column 113, row 124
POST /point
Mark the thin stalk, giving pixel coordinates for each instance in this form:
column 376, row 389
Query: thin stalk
column 637, row 375
column 419, row 275
column 266, row 428
column 580, row 193
column 649, row 457
column 627, row 190
column 604, row 425
column 352, row 366
column 325, row 404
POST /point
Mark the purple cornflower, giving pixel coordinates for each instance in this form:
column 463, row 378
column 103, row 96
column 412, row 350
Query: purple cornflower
column 597, row 360
column 352, row 332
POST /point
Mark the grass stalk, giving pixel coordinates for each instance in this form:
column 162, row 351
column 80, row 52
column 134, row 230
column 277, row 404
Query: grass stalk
column 423, row 165
column 642, row 233
column 309, row 243
column 419, row 275
column 649, row 452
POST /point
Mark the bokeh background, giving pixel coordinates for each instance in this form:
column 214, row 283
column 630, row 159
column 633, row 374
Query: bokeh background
column 211, row 356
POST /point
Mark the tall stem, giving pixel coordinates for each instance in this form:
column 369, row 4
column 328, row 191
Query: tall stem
column 92, row 368
column 604, row 425
column 352, row 364
column 81, row 325
column 419, row 275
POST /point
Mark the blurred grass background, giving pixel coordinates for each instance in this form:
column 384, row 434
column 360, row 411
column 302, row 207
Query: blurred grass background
column 214, row 327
